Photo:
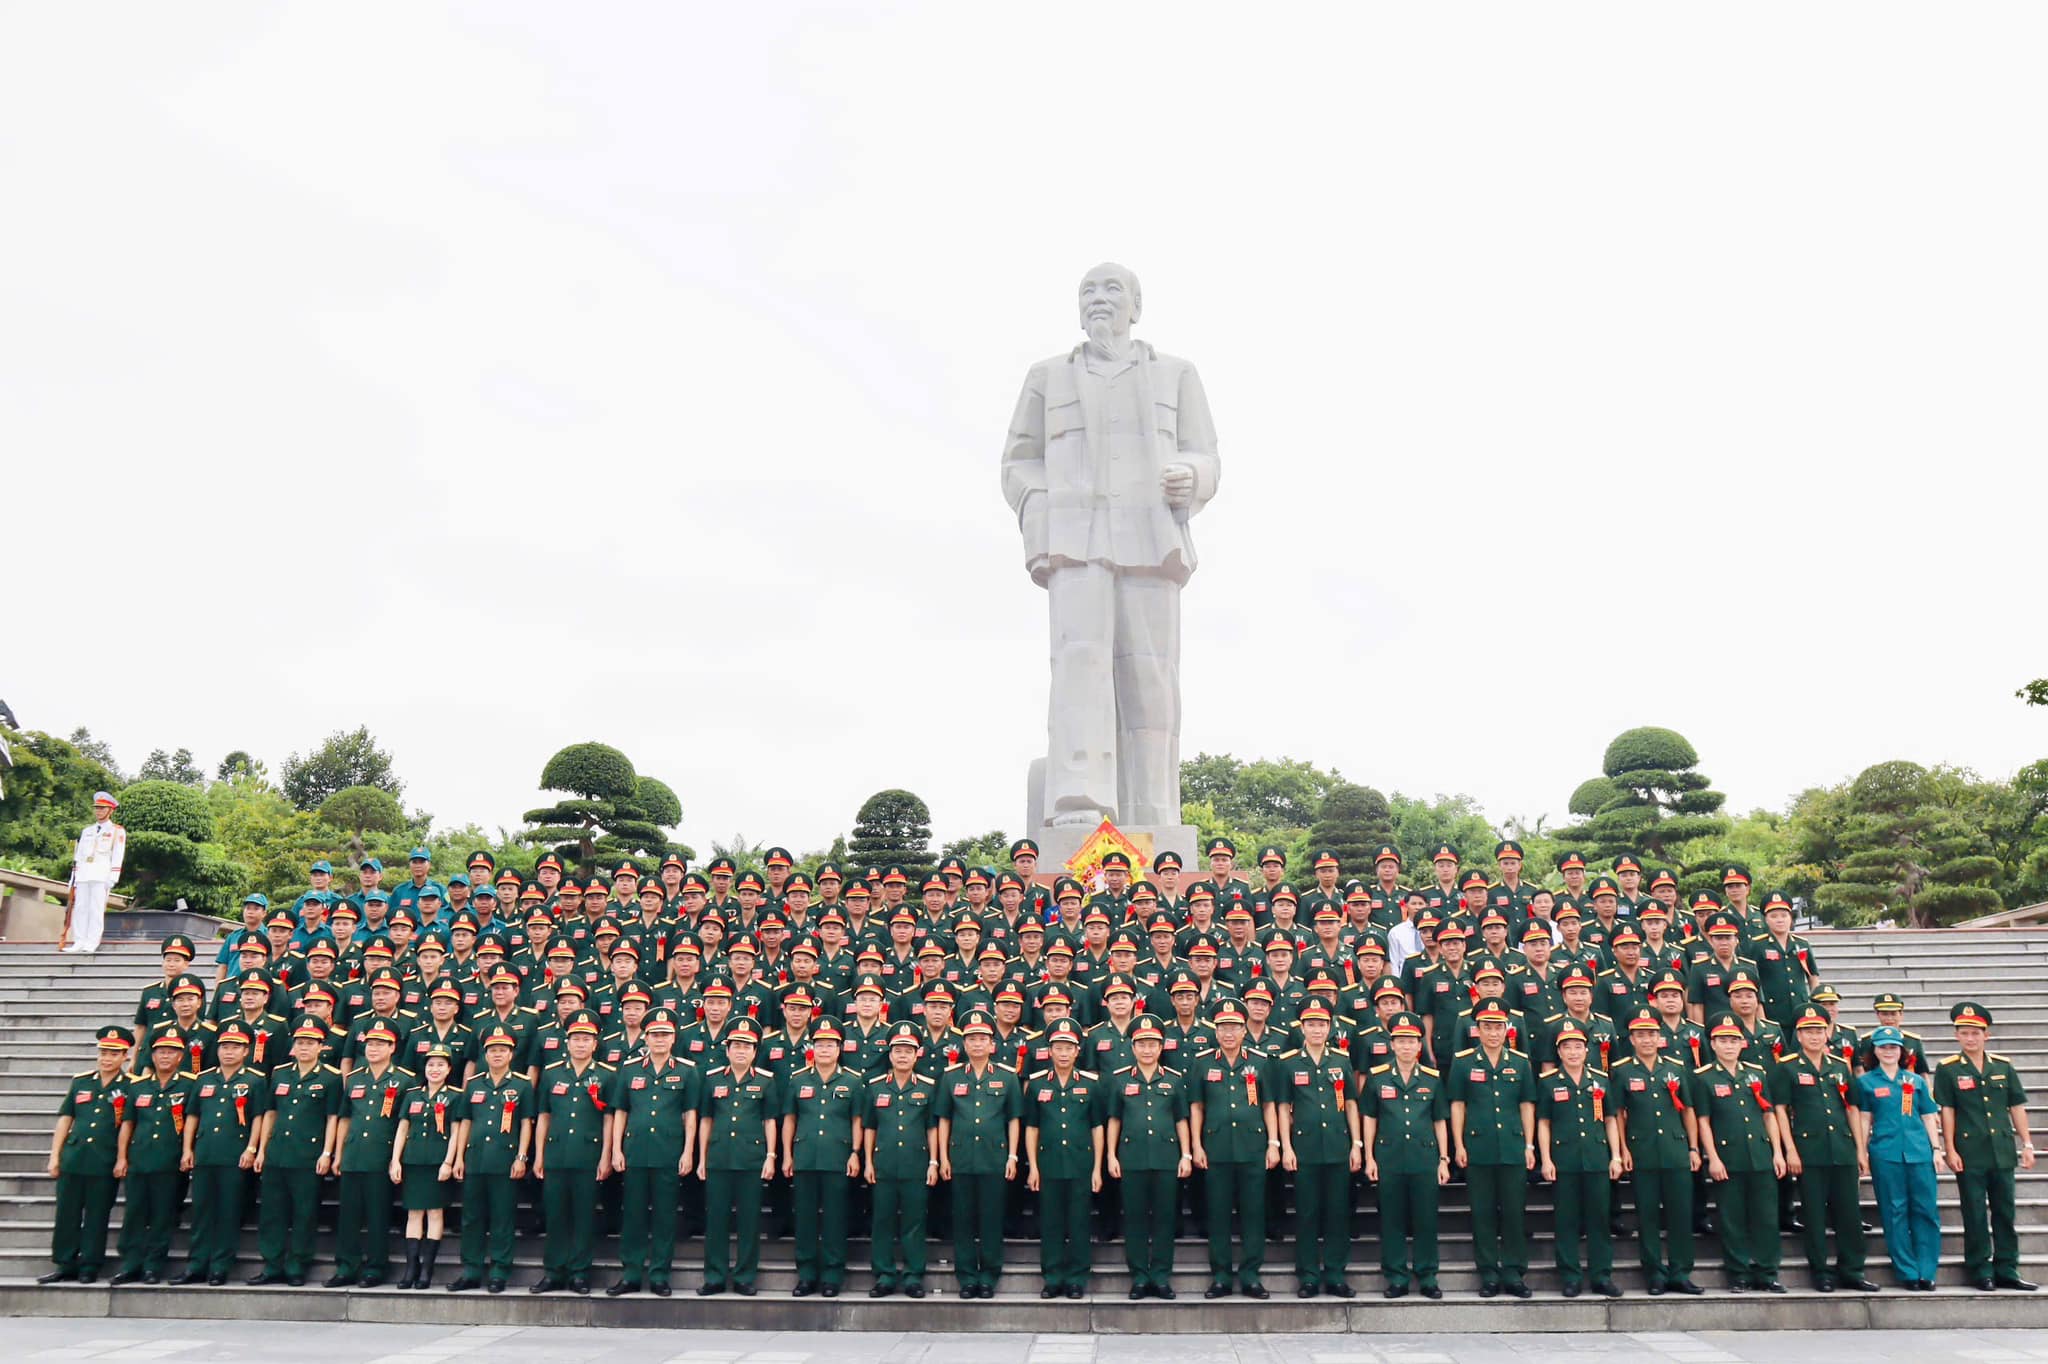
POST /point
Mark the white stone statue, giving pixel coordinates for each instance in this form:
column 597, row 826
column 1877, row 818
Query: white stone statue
column 1110, row 452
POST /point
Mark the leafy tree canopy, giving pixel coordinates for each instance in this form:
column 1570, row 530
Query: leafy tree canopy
column 346, row 758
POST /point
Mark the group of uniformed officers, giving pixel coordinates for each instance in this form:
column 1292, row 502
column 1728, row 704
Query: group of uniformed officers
column 661, row 1049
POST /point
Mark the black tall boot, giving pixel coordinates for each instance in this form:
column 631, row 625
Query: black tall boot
column 430, row 1251
column 412, row 1263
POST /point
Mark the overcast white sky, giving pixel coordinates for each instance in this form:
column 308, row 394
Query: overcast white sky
column 507, row 375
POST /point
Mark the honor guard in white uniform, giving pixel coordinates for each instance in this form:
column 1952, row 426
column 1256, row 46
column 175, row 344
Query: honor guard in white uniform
column 95, row 867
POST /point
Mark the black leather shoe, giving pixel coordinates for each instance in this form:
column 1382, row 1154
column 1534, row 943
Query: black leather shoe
column 627, row 1286
column 58, row 1276
column 710, row 1290
column 970, row 1292
column 1307, row 1290
column 803, row 1289
column 1859, row 1285
column 830, row 1290
column 464, row 1284
column 1823, row 1285
column 745, row 1290
column 1770, row 1286
column 1215, row 1291
column 190, row 1276
column 1489, row 1290
column 495, row 1286
column 88, row 1276
column 1685, row 1286
column 1255, row 1290
column 880, row 1290
column 1394, row 1290
column 294, row 1281
column 1570, row 1290
column 913, row 1290
column 126, row 1276
column 1982, row 1285
column 369, row 1281
column 1656, row 1288
column 151, row 1276
column 547, row 1283
column 1340, row 1290
column 1516, row 1290
column 341, row 1281
column 1738, row 1285
column 1165, row 1293
column 579, row 1284
column 265, row 1278
column 216, row 1280
column 1074, row 1292
column 1607, row 1288
column 1049, row 1292
column 1432, row 1292
column 1135, row 1294
column 2015, row 1282
column 1924, row 1285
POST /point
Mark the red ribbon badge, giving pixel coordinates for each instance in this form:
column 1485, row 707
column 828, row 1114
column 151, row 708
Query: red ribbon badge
column 262, row 1040
column 1756, row 1087
column 1337, row 1088
column 441, row 1114
column 390, row 1099
column 178, row 1116
column 120, row 1102
column 198, row 1050
column 1599, row 1104
column 242, row 1109
column 1906, row 1099
column 1848, row 1053
column 511, row 1107
column 1022, row 1048
column 1843, row 1088
column 596, row 1102
column 1605, row 1042
column 1676, row 1102
column 1251, row 1086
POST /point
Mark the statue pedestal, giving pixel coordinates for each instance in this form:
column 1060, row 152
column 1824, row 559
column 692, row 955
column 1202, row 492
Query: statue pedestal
column 1057, row 843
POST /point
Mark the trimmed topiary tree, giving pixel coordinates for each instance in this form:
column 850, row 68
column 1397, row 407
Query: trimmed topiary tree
column 611, row 813
column 1648, row 799
column 171, row 852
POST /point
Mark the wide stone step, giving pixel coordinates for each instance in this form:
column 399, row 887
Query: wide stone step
column 1017, row 1309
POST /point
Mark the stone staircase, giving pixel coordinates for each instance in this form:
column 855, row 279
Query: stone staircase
column 49, row 1005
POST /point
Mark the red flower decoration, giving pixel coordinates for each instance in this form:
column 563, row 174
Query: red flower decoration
column 595, row 1101
column 1676, row 1102
column 1756, row 1088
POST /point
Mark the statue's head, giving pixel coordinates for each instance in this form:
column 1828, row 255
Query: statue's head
column 1110, row 301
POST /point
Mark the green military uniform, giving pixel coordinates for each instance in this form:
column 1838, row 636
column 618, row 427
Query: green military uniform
column 228, row 1110
column 1783, row 972
column 501, row 1115
column 1737, row 1107
column 431, row 1116
column 1579, row 1115
column 740, row 1109
column 1236, row 1100
column 85, row 1162
column 1652, row 1101
column 303, row 1106
column 1494, row 1092
column 1317, row 1093
column 653, row 1105
column 900, row 1119
column 824, row 1110
column 372, row 1110
column 1066, row 1116
column 1813, row 1098
column 1408, row 1116
column 977, row 1112
column 1977, row 1102
column 1147, row 1109
column 157, row 1113
column 575, row 1104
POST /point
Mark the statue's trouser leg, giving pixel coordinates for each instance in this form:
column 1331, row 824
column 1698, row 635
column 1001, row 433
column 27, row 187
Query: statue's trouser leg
column 1148, row 698
column 1081, row 728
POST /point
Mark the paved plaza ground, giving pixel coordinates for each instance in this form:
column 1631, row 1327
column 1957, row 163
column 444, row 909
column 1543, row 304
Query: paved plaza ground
column 191, row 1342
